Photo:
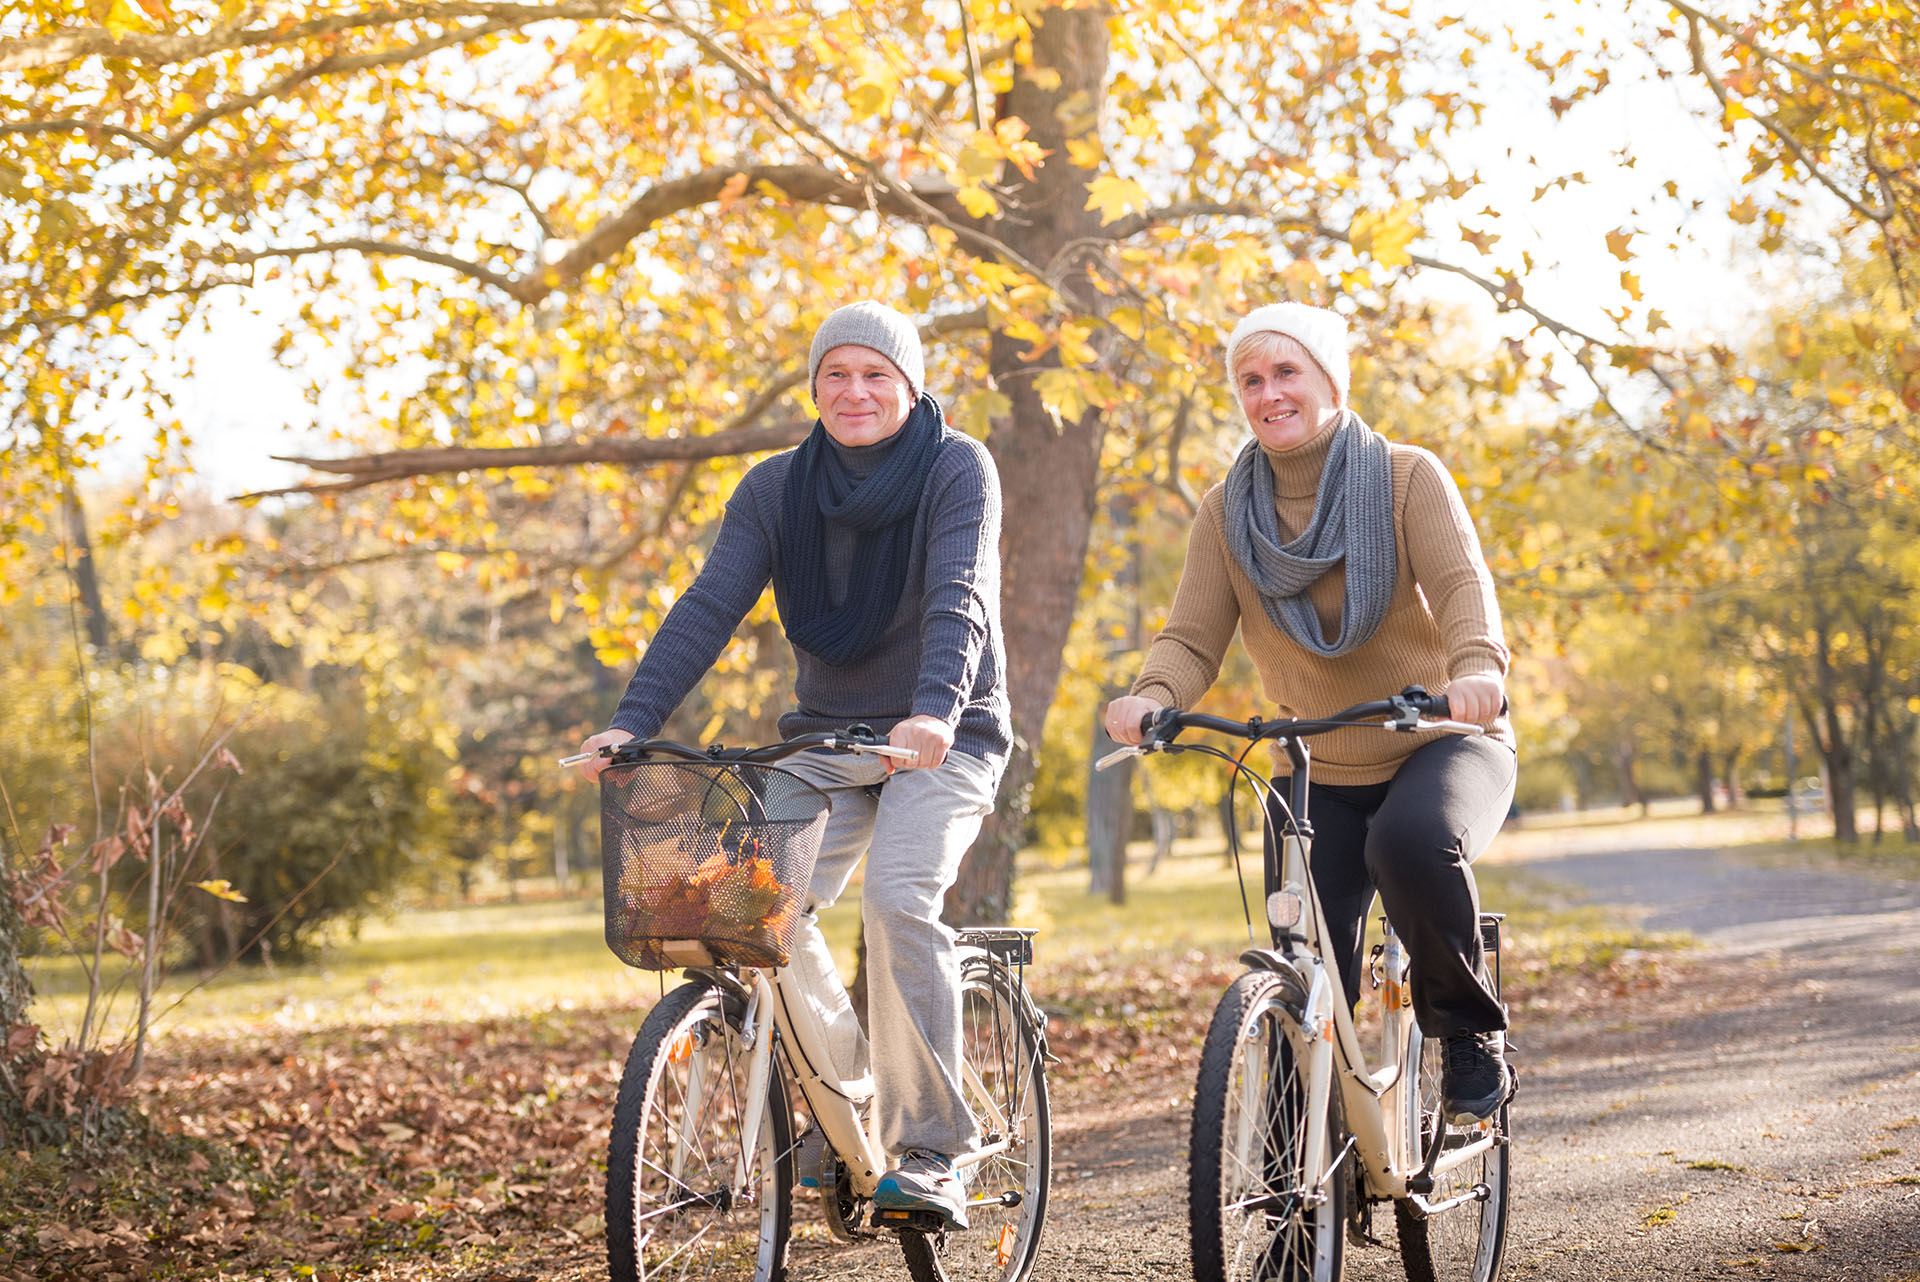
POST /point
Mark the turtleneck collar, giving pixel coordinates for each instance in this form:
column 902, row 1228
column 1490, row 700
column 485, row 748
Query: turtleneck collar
column 862, row 461
column 1296, row 472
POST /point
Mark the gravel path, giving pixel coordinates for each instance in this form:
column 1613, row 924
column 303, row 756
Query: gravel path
column 1755, row 1115
column 1758, row 1118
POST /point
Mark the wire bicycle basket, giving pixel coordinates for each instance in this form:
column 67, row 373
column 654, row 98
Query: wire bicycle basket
column 706, row 861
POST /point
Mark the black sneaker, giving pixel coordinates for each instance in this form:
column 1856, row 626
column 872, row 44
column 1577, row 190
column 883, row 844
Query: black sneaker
column 1475, row 1081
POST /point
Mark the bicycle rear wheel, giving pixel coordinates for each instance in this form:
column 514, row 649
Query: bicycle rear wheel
column 677, row 1205
column 1005, row 1079
column 1256, row 1204
column 1464, row 1243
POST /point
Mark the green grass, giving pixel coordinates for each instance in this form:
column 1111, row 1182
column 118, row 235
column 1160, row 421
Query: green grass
column 500, row 959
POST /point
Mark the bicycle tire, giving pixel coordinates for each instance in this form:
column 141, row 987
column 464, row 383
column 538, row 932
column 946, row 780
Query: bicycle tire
column 1464, row 1244
column 1007, row 1085
column 1254, row 1053
column 673, row 1154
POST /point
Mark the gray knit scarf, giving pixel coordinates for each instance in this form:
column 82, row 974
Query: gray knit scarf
column 1352, row 520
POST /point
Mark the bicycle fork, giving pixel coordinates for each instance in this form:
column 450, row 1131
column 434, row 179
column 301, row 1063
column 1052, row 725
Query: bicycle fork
column 759, row 1078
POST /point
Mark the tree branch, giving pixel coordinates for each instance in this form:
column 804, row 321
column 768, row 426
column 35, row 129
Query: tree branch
column 1805, row 70
column 394, row 465
column 916, row 207
column 35, row 53
column 813, row 184
column 1696, row 49
column 810, row 183
column 367, row 245
column 328, row 66
column 739, row 436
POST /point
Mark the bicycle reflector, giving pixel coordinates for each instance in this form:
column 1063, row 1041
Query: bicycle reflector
column 1283, row 909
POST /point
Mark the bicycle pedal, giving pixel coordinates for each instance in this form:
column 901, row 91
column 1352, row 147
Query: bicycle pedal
column 910, row 1221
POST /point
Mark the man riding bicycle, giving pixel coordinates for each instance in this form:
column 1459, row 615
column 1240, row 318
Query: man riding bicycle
column 880, row 534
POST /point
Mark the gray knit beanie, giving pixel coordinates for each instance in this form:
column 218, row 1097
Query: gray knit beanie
column 873, row 325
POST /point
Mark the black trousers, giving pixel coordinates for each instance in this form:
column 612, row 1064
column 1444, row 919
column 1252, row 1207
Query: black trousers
column 1413, row 839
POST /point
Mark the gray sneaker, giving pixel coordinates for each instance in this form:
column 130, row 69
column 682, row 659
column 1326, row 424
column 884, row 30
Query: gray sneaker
column 924, row 1181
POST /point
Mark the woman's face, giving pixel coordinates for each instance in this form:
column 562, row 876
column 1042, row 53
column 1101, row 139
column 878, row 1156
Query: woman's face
column 863, row 397
column 1288, row 398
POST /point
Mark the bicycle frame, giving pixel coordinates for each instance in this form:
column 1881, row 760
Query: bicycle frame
column 833, row 1101
column 1394, row 1164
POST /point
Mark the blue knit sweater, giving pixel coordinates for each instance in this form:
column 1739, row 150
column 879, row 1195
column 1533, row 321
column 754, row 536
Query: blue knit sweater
column 942, row 655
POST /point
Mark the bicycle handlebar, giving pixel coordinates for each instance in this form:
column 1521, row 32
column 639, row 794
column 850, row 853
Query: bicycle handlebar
column 1410, row 710
column 859, row 738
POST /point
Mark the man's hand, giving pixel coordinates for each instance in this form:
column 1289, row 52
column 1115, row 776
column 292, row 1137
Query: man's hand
column 929, row 738
column 1125, row 714
column 590, row 769
column 1476, row 699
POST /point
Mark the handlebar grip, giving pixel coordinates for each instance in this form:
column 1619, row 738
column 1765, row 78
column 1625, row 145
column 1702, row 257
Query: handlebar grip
column 1427, row 705
column 1151, row 721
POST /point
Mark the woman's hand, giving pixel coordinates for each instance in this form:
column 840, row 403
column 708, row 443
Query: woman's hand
column 1125, row 714
column 590, row 769
column 1476, row 699
column 928, row 736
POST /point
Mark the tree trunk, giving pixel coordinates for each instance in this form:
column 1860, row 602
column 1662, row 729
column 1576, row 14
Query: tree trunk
column 1109, row 818
column 1838, row 754
column 1163, row 826
column 1582, row 781
column 1703, row 780
column 1829, row 730
column 85, row 582
column 1048, row 471
column 1730, row 771
column 1903, row 784
column 16, row 990
column 1109, row 793
column 1623, row 756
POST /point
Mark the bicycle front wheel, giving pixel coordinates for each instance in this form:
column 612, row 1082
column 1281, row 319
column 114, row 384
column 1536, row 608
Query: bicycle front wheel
column 1261, row 1206
column 689, row 1194
column 1004, row 1072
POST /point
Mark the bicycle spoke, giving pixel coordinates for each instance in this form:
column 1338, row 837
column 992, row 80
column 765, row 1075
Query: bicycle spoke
column 676, row 1205
column 1002, row 1075
column 1256, row 1211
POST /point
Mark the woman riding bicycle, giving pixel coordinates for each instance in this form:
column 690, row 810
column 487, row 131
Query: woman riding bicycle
column 880, row 535
column 1351, row 566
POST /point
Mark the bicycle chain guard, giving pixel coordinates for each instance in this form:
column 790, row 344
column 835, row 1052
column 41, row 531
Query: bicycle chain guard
column 842, row 1208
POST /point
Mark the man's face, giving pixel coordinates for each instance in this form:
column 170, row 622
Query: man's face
column 863, row 397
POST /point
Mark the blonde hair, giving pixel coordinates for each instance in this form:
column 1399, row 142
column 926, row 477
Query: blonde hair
column 1264, row 344
column 1322, row 332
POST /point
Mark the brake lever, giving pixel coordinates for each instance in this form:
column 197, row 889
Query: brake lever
column 1457, row 727
column 579, row 757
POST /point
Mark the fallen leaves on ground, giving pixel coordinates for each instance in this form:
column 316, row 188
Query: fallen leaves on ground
column 476, row 1150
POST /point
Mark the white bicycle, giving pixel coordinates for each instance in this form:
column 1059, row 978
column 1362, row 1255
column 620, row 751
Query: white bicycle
column 1295, row 1137
column 707, row 854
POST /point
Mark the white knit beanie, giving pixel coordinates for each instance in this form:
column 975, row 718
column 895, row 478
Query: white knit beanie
column 1321, row 332
column 871, row 325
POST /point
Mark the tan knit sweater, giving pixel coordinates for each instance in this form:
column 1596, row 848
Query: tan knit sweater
column 1443, row 621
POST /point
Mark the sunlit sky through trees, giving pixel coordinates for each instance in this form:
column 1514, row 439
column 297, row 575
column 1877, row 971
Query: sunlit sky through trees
column 243, row 406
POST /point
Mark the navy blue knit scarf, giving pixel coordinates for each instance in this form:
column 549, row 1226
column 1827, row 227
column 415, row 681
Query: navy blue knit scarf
column 879, row 508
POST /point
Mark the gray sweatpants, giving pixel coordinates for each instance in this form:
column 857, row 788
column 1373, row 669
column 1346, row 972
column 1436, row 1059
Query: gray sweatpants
column 914, row 834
